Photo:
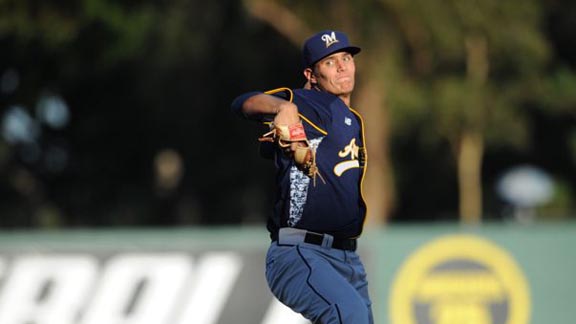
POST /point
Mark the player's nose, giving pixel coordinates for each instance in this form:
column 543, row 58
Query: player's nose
column 340, row 66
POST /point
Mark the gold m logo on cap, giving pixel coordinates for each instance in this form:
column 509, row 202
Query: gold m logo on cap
column 329, row 39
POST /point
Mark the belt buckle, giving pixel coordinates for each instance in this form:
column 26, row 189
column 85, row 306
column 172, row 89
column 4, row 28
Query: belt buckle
column 327, row 241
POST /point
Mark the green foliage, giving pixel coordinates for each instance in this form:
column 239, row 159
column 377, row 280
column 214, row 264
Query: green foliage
column 56, row 25
column 28, row 20
column 468, row 88
column 558, row 91
column 129, row 26
column 561, row 203
column 145, row 58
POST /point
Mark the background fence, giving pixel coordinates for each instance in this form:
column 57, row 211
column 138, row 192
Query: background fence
column 437, row 274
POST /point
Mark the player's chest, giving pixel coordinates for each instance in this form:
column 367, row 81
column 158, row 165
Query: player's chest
column 344, row 127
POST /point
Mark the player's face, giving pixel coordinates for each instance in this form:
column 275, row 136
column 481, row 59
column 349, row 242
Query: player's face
column 335, row 74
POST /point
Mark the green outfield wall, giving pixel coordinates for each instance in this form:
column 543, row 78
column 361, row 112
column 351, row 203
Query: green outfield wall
column 421, row 274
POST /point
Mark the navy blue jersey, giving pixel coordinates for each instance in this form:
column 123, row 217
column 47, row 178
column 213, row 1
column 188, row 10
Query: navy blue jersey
column 334, row 206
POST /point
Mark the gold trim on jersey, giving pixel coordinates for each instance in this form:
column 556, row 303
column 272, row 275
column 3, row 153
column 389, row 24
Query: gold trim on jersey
column 291, row 99
column 313, row 125
column 274, row 91
column 365, row 161
column 285, row 89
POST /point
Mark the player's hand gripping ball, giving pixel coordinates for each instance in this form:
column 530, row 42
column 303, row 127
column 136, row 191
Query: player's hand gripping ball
column 292, row 139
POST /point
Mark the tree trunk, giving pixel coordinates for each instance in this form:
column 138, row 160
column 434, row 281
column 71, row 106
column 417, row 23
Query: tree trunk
column 471, row 144
column 378, row 185
column 280, row 18
column 470, row 151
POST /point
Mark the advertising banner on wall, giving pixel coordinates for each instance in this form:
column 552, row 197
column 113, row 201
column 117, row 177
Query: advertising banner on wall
column 418, row 275
column 90, row 280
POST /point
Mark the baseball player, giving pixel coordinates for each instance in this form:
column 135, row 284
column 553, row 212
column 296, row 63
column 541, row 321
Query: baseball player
column 317, row 143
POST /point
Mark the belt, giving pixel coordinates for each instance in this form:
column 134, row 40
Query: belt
column 288, row 235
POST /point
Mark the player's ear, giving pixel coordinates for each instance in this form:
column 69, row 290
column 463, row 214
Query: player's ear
column 309, row 74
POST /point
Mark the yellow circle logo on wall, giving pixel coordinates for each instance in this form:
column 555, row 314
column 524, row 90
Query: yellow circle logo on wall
column 460, row 279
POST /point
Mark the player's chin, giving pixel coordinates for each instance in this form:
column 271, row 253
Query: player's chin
column 345, row 89
column 346, row 85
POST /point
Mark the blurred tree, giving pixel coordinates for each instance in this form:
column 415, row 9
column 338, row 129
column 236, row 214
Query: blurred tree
column 142, row 80
column 464, row 60
column 51, row 52
column 145, row 82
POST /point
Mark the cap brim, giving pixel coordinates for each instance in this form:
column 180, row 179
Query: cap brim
column 350, row 49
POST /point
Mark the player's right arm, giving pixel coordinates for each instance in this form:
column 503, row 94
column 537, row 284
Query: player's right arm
column 260, row 106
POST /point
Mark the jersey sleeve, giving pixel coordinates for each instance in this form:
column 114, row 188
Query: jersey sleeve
column 238, row 102
column 313, row 108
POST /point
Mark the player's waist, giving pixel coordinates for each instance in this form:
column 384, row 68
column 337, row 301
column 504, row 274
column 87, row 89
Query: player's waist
column 295, row 236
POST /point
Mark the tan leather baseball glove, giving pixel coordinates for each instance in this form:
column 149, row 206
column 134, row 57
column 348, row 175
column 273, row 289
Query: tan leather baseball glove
column 293, row 142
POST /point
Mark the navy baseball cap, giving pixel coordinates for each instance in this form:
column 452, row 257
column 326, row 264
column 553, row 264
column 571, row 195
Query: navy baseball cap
column 325, row 43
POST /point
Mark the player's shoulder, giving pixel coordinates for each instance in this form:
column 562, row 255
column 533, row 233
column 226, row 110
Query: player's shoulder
column 282, row 92
column 315, row 95
column 317, row 100
column 304, row 95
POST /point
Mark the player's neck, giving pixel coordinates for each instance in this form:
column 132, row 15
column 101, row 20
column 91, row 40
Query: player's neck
column 345, row 98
